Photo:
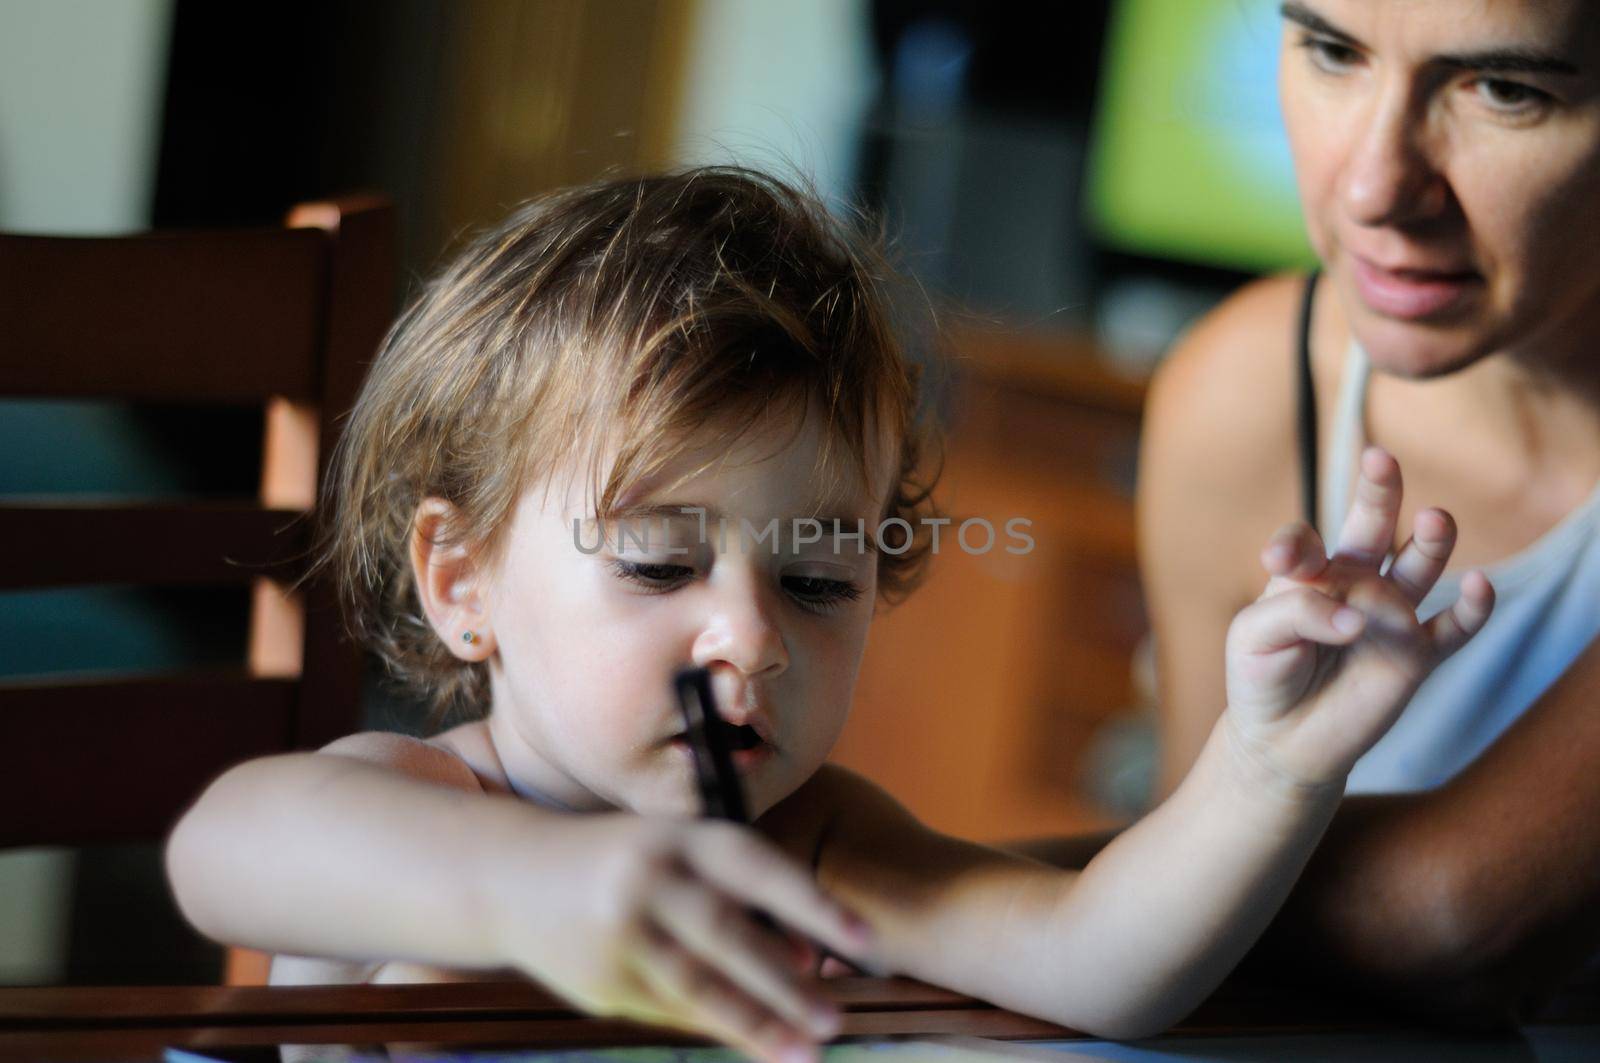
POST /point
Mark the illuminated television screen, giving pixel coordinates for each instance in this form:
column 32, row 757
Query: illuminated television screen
column 1188, row 159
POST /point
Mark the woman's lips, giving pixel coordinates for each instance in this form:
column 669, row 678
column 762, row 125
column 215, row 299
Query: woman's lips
column 1411, row 294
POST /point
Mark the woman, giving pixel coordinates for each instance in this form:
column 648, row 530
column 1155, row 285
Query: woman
column 1448, row 159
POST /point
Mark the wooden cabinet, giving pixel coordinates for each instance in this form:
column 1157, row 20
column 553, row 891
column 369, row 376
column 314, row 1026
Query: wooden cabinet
column 979, row 695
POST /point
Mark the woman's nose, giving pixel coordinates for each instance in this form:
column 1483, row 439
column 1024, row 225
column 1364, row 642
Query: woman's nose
column 742, row 630
column 1390, row 176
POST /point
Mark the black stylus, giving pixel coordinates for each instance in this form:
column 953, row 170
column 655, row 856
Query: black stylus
column 721, row 791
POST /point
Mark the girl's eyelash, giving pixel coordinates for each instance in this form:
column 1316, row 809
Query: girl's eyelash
column 811, row 592
column 656, row 577
column 820, row 594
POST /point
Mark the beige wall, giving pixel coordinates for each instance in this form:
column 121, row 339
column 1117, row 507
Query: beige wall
column 776, row 84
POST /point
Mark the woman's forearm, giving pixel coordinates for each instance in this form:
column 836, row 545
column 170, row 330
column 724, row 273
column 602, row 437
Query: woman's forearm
column 325, row 855
column 1470, row 900
column 1165, row 911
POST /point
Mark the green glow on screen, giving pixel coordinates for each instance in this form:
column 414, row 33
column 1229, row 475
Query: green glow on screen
column 1189, row 159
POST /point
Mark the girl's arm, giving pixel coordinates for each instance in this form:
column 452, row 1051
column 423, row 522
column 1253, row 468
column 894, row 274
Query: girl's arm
column 320, row 854
column 1122, row 949
column 395, row 853
column 1318, row 669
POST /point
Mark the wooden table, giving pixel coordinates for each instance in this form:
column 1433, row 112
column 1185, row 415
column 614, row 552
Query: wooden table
column 139, row 1023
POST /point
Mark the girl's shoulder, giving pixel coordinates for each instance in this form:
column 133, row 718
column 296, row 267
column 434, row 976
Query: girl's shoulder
column 455, row 758
column 802, row 823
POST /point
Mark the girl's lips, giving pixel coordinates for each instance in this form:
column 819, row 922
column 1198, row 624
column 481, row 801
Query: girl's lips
column 744, row 760
column 1410, row 294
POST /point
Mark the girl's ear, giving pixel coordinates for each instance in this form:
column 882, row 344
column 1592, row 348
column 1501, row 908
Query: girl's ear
column 450, row 584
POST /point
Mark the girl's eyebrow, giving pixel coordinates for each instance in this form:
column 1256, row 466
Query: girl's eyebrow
column 1511, row 60
column 665, row 510
column 833, row 526
column 695, row 510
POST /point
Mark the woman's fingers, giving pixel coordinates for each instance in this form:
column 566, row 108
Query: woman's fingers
column 1294, row 553
column 1417, row 567
column 693, row 995
column 1368, row 532
column 1300, row 614
column 754, row 871
column 723, row 934
column 1452, row 627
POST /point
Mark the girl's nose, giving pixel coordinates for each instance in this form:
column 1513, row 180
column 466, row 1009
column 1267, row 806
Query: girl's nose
column 742, row 631
column 1390, row 178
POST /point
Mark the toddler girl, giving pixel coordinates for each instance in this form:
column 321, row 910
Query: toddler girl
column 600, row 448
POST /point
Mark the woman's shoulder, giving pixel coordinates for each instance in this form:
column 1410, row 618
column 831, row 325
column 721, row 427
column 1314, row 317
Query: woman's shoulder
column 1222, row 410
column 1219, row 463
column 1235, row 365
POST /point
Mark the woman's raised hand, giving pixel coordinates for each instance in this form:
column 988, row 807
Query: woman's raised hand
column 1322, row 664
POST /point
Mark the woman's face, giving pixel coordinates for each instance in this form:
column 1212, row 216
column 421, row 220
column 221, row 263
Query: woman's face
column 1448, row 158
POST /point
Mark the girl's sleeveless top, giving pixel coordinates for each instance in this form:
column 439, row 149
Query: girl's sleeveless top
column 1547, row 608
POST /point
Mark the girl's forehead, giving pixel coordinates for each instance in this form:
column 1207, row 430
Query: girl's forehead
column 781, row 465
column 788, row 469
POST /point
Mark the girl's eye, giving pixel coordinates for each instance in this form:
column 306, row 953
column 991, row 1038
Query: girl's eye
column 659, row 577
column 1329, row 55
column 1512, row 97
column 820, row 594
column 812, row 592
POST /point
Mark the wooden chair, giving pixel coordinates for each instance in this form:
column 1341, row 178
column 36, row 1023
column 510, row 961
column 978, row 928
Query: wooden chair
column 287, row 317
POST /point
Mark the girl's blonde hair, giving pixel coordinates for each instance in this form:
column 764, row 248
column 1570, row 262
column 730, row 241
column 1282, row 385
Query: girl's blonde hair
column 622, row 316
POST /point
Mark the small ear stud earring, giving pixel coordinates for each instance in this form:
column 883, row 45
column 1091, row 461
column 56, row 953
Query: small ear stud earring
column 469, row 637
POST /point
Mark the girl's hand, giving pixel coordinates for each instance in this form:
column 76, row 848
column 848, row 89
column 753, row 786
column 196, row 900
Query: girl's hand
column 654, row 920
column 1322, row 664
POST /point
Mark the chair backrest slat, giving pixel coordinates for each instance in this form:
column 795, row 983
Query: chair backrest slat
column 288, row 318
column 171, row 545
column 118, row 760
column 98, row 317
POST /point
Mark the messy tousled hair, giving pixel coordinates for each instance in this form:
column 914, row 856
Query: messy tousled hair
column 618, row 318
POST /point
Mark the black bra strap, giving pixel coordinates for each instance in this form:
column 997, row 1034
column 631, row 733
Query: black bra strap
column 1308, row 406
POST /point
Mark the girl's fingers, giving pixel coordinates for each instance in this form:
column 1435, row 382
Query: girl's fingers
column 754, row 871
column 695, row 997
column 1294, row 553
column 1452, row 627
column 1417, row 567
column 1368, row 532
column 723, row 934
column 1300, row 614
column 834, row 967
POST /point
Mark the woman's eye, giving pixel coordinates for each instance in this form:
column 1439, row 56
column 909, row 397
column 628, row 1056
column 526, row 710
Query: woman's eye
column 818, row 593
column 1329, row 55
column 1509, row 96
column 651, row 575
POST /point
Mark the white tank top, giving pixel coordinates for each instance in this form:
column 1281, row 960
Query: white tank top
column 1547, row 611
